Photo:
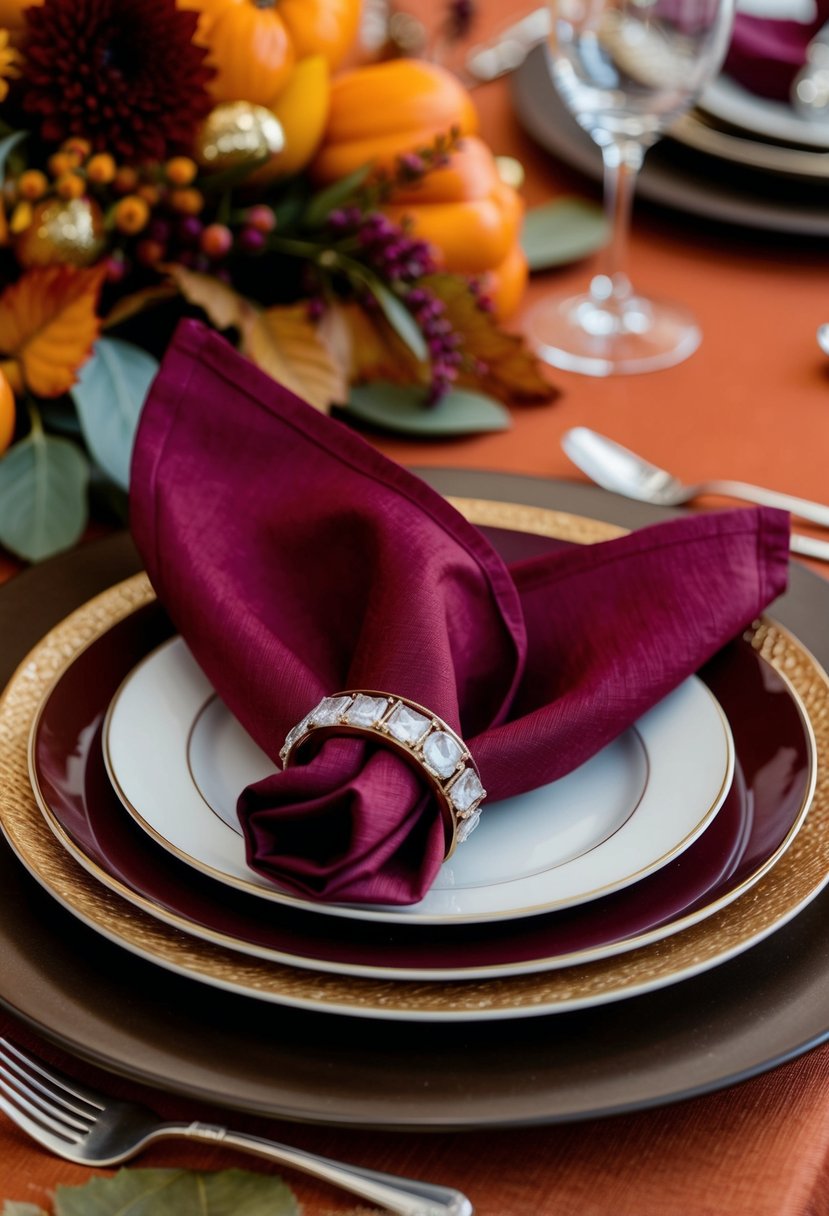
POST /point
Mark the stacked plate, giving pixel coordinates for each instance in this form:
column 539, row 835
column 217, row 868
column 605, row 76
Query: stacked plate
column 737, row 157
column 135, row 766
column 696, row 835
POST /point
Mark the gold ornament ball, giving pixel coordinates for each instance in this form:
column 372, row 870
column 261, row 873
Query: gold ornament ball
column 238, row 133
column 71, row 232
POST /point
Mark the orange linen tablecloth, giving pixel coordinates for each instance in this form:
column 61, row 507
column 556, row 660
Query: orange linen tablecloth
column 752, row 403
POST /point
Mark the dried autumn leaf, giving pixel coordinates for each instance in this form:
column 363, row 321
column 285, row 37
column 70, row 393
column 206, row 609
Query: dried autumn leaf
column 48, row 323
column 224, row 307
column 336, row 332
column 510, row 371
column 286, row 344
column 367, row 346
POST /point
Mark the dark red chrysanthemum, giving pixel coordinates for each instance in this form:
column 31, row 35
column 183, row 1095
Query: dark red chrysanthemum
column 124, row 74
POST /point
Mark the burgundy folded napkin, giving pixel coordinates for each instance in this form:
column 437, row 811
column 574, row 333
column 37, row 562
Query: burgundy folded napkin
column 765, row 55
column 297, row 561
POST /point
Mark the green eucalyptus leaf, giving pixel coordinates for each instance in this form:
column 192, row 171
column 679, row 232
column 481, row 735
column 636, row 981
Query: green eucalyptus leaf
column 42, row 496
column 400, row 319
column 562, row 231
column 11, row 1208
column 333, row 196
column 109, row 394
column 402, row 408
column 175, row 1192
column 8, row 144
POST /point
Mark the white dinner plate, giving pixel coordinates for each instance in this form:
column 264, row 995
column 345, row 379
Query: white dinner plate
column 178, row 760
column 727, row 101
column 811, row 164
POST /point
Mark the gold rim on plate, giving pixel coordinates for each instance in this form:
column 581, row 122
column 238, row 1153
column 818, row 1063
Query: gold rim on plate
column 152, row 812
column 792, row 883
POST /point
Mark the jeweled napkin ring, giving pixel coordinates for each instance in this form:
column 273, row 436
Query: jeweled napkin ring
column 418, row 735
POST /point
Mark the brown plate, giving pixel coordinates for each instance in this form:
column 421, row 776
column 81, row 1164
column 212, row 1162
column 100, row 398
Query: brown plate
column 752, row 1013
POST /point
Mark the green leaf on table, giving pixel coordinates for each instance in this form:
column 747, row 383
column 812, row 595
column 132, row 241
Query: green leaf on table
column 109, row 394
column 175, row 1192
column 11, row 1208
column 402, row 408
column 43, row 507
column 7, row 145
column 562, row 231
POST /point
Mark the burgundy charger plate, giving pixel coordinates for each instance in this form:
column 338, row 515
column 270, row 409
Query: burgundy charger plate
column 760, row 815
column 66, row 982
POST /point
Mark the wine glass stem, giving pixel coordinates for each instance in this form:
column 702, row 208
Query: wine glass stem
column 611, row 288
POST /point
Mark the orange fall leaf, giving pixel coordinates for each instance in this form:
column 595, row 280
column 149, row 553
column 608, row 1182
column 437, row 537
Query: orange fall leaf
column 224, row 307
column 48, row 324
column 294, row 351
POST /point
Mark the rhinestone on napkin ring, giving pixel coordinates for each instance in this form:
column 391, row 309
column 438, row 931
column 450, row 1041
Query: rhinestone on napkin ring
column 438, row 752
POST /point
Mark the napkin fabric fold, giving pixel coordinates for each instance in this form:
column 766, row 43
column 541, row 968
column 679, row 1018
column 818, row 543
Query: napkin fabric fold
column 297, row 561
column 765, row 55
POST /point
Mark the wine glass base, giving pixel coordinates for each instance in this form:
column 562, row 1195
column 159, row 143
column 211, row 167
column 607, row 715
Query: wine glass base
column 581, row 334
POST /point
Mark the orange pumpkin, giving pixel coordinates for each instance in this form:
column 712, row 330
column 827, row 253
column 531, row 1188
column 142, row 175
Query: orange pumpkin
column 469, row 216
column 324, row 27
column 384, row 109
column 301, row 110
column 473, row 221
column 505, row 283
column 254, row 44
column 465, row 211
column 6, row 413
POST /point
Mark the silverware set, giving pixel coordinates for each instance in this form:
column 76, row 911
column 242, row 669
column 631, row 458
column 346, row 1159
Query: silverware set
column 85, row 1126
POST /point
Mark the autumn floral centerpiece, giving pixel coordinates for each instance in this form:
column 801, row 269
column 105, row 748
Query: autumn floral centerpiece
column 347, row 229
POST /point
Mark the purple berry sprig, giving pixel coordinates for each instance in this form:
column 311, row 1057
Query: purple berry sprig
column 400, row 262
column 410, row 168
column 442, row 340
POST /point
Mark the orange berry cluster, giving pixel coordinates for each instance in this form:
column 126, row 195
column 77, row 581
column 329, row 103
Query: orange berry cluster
column 71, row 169
column 155, row 212
column 74, row 171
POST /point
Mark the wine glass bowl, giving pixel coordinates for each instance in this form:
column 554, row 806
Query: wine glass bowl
column 626, row 69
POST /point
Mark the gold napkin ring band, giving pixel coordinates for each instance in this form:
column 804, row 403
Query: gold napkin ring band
column 438, row 752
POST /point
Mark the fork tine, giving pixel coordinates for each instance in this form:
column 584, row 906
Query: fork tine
column 53, row 1084
column 39, row 1101
column 17, row 1082
column 36, row 1120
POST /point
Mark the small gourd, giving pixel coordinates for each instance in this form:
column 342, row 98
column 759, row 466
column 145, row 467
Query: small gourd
column 254, row 44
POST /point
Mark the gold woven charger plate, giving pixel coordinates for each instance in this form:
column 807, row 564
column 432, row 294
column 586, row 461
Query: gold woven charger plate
column 790, row 886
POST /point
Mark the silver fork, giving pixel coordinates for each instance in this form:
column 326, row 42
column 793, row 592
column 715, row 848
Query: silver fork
column 89, row 1128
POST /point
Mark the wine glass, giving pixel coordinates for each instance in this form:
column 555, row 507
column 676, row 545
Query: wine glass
column 626, row 69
